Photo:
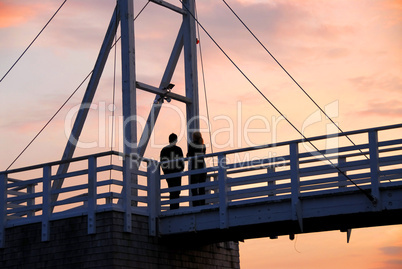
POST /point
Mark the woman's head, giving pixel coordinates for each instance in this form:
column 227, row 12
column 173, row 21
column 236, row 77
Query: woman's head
column 197, row 138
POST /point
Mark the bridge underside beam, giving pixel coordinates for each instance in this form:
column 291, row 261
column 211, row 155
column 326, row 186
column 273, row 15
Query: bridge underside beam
column 271, row 219
column 284, row 228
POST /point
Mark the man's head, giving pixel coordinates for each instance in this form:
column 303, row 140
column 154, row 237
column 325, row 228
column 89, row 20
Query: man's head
column 172, row 138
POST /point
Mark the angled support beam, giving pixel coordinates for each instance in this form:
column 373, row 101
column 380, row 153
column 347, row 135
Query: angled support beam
column 169, row 6
column 157, row 105
column 87, row 99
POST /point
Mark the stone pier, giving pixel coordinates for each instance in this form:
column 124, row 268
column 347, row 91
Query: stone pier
column 70, row 246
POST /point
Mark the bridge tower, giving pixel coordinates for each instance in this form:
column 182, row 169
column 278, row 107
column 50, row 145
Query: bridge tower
column 115, row 239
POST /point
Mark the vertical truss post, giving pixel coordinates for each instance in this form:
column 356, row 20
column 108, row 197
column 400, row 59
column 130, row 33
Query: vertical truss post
column 190, row 64
column 129, row 105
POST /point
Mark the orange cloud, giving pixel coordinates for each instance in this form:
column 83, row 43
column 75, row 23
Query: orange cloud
column 392, row 10
column 11, row 14
column 394, row 4
column 392, row 256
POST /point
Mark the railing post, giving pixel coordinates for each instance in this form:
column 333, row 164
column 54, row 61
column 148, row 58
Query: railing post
column 3, row 208
column 46, row 199
column 126, row 193
column 92, row 194
column 295, row 184
column 342, row 180
column 154, row 195
column 30, row 202
column 223, row 201
column 271, row 170
column 374, row 166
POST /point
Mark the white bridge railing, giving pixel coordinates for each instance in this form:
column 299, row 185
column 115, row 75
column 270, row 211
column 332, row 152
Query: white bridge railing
column 291, row 170
column 286, row 170
column 92, row 184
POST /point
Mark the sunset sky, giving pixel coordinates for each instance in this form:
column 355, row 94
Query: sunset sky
column 345, row 53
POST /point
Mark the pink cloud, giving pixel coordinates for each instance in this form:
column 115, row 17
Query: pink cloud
column 377, row 82
column 393, row 10
column 12, row 14
column 392, row 108
column 392, row 256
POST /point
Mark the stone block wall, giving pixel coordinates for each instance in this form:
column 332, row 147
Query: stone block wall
column 70, row 246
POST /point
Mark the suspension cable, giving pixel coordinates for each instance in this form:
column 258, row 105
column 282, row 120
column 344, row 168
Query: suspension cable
column 68, row 99
column 54, row 115
column 204, row 83
column 368, row 195
column 33, row 41
column 290, row 76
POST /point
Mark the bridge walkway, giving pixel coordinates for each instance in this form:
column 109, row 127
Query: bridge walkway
column 277, row 189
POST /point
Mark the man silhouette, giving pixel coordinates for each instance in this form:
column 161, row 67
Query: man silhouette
column 169, row 153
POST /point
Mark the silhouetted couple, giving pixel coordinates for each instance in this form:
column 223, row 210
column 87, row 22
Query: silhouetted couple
column 172, row 152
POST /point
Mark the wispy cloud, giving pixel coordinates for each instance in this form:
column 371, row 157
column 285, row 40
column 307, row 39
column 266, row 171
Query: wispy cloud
column 392, row 251
column 393, row 256
column 392, row 109
column 378, row 83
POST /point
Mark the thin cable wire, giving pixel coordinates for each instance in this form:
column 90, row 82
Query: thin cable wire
column 68, row 99
column 368, row 195
column 290, row 76
column 204, row 84
column 139, row 13
column 19, row 155
column 33, row 41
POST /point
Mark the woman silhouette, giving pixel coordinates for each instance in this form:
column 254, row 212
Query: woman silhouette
column 197, row 148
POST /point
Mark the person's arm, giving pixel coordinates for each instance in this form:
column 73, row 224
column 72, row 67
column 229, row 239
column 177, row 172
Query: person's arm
column 162, row 154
